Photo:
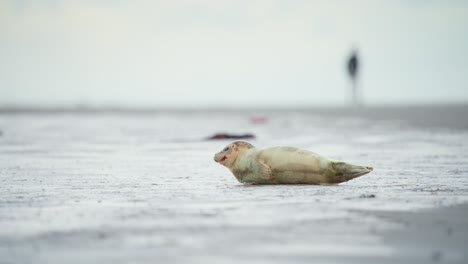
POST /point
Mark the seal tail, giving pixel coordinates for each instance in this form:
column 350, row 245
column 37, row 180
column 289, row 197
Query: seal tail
column 345, row 171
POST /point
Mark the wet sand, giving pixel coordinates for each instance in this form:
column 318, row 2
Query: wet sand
column 140, row 186
column 428, row 236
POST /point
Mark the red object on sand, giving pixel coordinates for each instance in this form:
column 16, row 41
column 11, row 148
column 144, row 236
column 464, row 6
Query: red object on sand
column 258, row 120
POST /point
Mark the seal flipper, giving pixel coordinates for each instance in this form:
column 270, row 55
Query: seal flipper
column 345, row 171
column 265, row 174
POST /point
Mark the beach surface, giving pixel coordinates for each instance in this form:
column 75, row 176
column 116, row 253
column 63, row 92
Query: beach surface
column 141, row 186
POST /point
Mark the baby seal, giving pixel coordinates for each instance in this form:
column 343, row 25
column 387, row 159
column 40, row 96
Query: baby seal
column 284, row 165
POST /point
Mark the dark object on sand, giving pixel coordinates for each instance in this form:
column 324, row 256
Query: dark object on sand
column 366, row 196
column 230, row 136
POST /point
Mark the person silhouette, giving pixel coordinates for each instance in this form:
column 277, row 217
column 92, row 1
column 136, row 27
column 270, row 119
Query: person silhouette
column 353, row 69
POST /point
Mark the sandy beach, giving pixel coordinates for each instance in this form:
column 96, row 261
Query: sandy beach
column 140, row 186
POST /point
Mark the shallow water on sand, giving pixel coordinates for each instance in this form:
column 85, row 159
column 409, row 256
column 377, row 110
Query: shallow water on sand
column 140, row 187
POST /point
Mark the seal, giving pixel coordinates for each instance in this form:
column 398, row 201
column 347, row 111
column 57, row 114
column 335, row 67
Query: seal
column 284, row 165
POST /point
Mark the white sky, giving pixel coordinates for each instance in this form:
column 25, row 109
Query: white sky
column 231, row 53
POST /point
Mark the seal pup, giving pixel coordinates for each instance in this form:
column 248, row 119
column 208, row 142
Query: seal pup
column 284, row 165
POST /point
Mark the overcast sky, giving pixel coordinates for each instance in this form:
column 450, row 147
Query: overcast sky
column 230, row 53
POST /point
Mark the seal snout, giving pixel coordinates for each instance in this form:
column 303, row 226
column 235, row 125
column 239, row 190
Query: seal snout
column 219, row 157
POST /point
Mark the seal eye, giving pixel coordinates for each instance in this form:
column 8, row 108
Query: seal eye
column 226, row 149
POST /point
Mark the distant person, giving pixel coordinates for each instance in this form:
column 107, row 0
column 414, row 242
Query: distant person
column 353, row 69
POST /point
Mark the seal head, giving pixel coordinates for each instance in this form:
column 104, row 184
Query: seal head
column 228, row 155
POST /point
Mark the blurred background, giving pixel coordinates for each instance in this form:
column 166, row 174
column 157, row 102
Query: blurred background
column 231, row 53
column 111, row 112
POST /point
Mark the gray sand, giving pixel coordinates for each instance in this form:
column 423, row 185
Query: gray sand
column 141, row 187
